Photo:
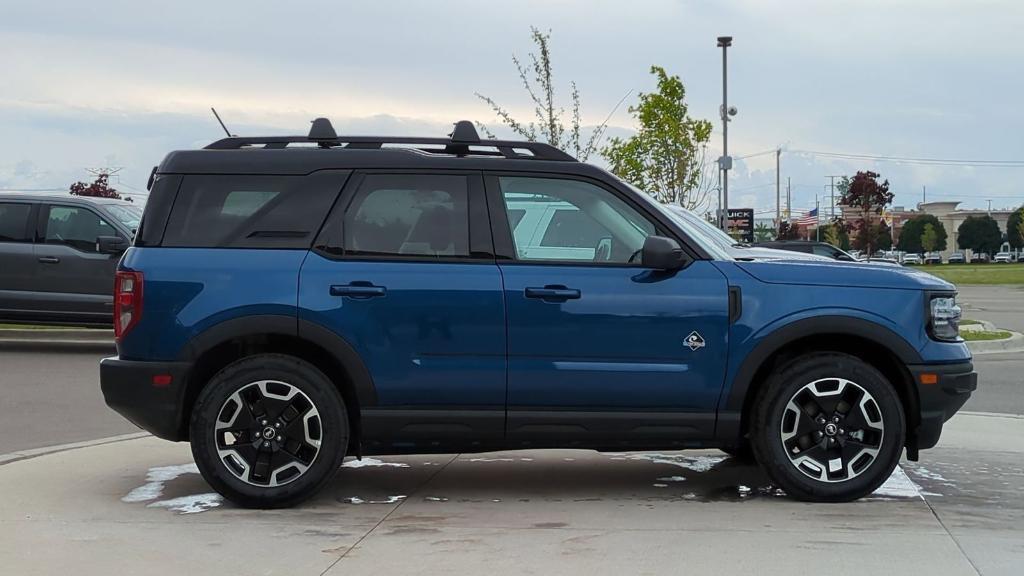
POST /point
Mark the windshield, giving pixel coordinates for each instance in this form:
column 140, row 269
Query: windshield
column 130, row 216
column 699, row 234
column 717, row 235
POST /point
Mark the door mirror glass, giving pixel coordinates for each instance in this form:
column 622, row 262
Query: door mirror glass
column 661, row 253
column 110, row 244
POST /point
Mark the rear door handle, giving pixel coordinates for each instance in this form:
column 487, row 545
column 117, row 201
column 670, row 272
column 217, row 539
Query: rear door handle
column 49, row 259
column 358, row 290
column 553, row 293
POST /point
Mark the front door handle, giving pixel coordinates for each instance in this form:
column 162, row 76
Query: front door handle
column 555, row 293
column 358, row 290
column 49, row 259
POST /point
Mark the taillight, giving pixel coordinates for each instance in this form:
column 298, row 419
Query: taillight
column 127, row 301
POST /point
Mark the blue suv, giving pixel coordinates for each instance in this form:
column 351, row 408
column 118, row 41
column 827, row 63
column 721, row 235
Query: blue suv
column 290, row 301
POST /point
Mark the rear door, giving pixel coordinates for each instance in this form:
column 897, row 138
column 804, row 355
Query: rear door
column 73, row 278
column 602, row 351
column 17, row 260
column 404, row 273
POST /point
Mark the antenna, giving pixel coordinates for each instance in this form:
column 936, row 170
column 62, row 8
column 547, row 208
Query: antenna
column 217, row 116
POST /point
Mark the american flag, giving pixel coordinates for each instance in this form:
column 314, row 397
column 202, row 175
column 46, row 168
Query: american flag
column 809, row 219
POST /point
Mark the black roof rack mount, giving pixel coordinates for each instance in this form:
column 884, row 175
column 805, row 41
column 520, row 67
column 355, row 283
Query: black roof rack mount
column 463, row 141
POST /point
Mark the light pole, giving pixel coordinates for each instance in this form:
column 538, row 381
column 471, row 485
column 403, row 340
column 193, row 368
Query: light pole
column 725, row 162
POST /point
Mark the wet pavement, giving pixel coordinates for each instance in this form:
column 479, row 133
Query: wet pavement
column 140, row 506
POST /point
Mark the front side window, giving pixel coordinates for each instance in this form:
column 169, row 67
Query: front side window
column 570, row 220
column 14, row 222
column 409, row 215
column 76, row 227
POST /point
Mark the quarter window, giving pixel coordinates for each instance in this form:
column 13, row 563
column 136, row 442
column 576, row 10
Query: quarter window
column 76, row 227
column 570, row 220
column 14, row 222
column 409, row 215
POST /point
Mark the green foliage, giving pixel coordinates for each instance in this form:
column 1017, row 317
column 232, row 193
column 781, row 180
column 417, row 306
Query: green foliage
column 1015, row 229
column 929, row 238
column 789, row 231
column 911, row 239
column 538, row 80
column 868, row 197
column 763, row 233
column 666, row 157
column 980, row 234
column 835, row 233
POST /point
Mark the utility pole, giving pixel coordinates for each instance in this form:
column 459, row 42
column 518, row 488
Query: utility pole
column 725, row 162
column 789, row 199
column 778, row 195
column 817, row 215
column 832, row 187
column 990, row 207
column 924, row 194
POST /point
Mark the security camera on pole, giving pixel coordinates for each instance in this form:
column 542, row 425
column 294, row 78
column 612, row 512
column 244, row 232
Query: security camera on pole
column 725, row 161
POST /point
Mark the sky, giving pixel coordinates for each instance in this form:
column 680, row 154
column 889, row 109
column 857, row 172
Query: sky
column 119, row 84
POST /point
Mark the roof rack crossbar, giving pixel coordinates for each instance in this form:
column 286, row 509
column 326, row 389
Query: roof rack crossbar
column 463, row 141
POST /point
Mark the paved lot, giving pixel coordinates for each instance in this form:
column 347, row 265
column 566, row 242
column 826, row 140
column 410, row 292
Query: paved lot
column 138, row 507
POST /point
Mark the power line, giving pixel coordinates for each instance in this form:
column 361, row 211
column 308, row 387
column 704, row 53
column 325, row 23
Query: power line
column 912, row 160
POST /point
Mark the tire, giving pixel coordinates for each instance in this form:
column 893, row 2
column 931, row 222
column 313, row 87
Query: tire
column 287, row 459
column 849, row 454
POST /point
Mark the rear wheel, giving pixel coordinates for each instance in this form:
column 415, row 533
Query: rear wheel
column 269, row 431
column 828, row 427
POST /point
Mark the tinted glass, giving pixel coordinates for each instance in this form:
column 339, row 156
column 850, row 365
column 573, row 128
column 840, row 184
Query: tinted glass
column 129, row 216
column 572, row 220
column 76, row 227
column 825, row 251
column 250, row 211
column 409, row 215
column 14, row 222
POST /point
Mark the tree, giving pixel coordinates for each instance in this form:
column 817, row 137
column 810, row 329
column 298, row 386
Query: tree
column 1015, row 229
column 763, row 232
column 868, row 197
column 929, row 238
column 789, row 231
column 881, row 236
column 98, row 189
column 910, row 236
column 666, row 157
column 980, row 234
column 835, row 234
column 548, row 125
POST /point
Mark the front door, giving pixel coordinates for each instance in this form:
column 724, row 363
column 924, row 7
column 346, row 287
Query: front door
column 601, row 350
column 406, row 277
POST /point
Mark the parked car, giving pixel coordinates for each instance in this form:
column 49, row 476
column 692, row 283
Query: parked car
column 933, row 258
column 979, row 258
column 911, row 258
column 58, row 255
column 809, row 247
column 738, row 250
column 284, row 307
column 956, row 258
column 1003, row 258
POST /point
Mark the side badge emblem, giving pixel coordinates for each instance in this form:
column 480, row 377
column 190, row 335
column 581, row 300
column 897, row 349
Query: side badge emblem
column 694, row 341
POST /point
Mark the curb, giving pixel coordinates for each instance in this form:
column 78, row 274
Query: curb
column 36, row 452
column 1015, row 343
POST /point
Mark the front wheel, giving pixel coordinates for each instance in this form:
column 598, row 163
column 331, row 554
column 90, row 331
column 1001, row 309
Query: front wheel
column 828, row 427
column 269, row 431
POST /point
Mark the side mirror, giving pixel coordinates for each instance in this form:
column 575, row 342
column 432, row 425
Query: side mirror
column 110, row 244
column 662, row 253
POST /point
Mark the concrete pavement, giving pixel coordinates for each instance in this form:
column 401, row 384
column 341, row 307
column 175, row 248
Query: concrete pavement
column 138, row 506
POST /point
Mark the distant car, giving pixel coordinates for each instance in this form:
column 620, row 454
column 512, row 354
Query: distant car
column 809, row 247
column 911, row 258
column 1003, row 258
column 979, row 258
column 58, row 255
column 956, row 258
column 933, row 258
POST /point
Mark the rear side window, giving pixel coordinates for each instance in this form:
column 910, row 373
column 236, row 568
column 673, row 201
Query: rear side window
column 76, row 227
column 409, row 215
column 250, row 211
column 14, row 222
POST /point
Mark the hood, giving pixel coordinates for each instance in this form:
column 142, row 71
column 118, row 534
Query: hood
column 758, row 253
column 836, row 273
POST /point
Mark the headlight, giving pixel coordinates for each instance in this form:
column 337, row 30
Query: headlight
column 945, row 318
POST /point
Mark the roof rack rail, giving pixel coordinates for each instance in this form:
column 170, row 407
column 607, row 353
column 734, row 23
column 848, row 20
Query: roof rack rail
column 463, row 141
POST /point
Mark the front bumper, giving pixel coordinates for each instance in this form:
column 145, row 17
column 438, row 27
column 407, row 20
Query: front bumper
column 953, row 384
column 129, row 388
